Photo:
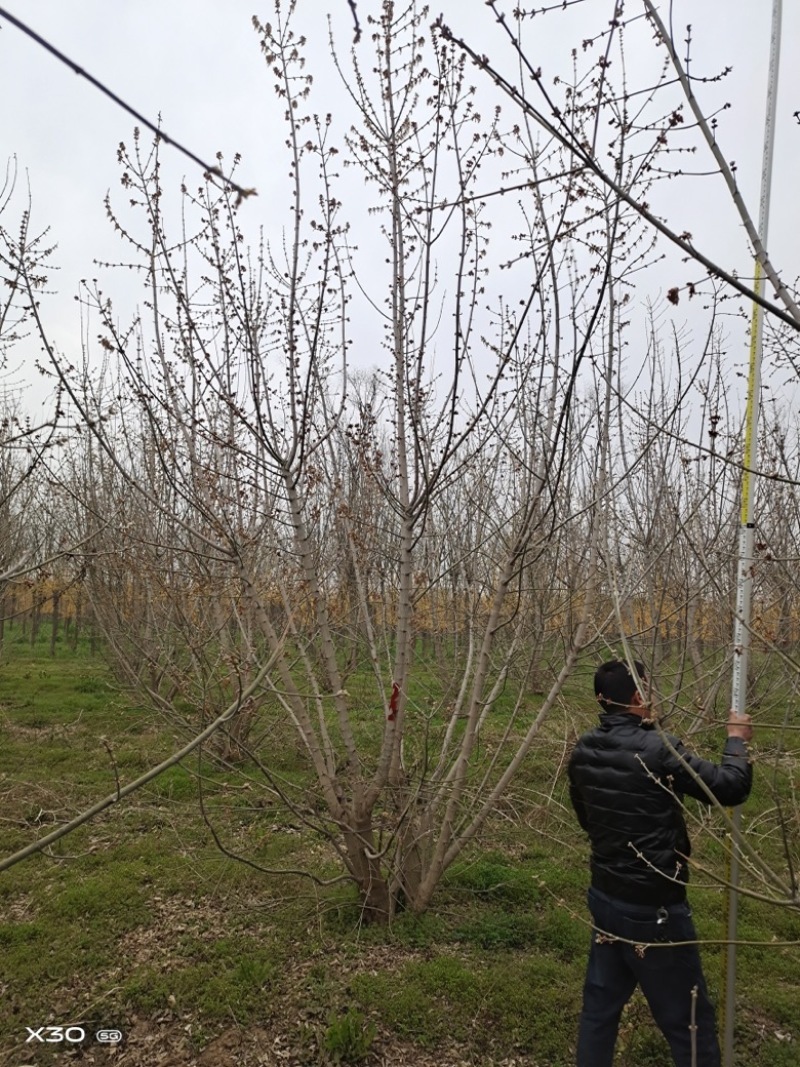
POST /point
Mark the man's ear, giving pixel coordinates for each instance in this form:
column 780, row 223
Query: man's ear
column 636, row 700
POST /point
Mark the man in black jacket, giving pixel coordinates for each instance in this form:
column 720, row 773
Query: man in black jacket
column 627, row 783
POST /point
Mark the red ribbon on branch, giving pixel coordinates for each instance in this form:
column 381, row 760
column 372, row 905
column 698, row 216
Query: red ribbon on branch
column 393, row 702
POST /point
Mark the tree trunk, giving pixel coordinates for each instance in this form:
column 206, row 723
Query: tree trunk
column 36, row 619
column 76, row 633
column 56, row 620
column 371, row 882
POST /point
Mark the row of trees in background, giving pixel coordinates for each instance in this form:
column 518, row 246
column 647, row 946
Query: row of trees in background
column 674, row 566
column 393, row 485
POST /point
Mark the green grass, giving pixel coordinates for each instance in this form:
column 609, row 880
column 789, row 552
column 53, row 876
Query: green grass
column 348, row 1037
column 228, row 976
column 138, row 919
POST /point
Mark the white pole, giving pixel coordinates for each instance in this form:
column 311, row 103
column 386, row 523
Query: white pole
column 744, row 584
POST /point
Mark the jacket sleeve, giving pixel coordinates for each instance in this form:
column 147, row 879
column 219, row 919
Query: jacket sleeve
column 576, row 800
column 729, row 781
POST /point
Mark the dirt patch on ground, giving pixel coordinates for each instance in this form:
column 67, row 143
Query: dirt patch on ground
column 172, row 918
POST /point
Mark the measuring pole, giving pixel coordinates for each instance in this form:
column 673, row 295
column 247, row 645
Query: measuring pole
column 744, row 582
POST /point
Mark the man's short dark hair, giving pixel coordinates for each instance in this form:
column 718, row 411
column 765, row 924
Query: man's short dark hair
column 614, row 685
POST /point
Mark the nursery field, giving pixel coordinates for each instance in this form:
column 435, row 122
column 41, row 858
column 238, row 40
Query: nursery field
column 138, row 922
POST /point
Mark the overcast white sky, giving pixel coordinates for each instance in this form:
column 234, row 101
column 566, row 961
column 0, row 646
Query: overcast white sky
column 197, row 63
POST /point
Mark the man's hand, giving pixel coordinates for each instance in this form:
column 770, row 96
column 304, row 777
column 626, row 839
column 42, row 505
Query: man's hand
column 740, row 726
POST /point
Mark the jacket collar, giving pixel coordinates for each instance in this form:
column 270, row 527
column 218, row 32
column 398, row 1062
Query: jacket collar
column 610, row 719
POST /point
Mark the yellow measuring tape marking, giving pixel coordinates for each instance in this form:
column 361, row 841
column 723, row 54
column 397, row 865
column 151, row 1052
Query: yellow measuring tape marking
column 753, row 384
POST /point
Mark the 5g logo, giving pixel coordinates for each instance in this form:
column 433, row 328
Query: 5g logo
column 74, row 1035
column 108, row 1037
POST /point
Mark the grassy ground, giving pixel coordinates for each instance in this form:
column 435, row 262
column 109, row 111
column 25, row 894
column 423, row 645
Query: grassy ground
column 138, row 921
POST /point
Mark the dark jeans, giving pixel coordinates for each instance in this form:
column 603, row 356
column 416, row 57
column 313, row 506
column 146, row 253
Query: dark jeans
column 667, row 973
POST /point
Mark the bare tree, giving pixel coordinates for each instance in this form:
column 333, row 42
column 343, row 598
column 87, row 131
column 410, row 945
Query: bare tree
column 28, row 539
column 398, row 525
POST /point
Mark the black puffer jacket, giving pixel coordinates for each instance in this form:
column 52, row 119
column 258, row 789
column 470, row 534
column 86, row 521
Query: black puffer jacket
column 626, row 787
